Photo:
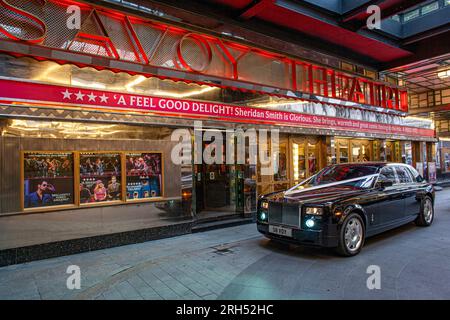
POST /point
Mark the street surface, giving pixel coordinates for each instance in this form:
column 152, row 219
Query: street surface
column 238, row 263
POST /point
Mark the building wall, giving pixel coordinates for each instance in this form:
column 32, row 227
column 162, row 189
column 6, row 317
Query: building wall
column 10, row 168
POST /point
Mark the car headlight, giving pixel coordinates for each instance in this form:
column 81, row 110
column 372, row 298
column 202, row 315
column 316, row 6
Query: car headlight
column 315, row 211
column 263, row 216
column 265, row 205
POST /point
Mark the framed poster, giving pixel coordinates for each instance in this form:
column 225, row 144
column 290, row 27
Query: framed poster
column 144, row 175
column 420, row 168
column 48, row 179
column 431, row 172
column 100, row 177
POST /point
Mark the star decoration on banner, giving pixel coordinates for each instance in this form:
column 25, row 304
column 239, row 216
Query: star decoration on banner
column 92, row 97
column 67, row 94
column 104, row 98
column 79, row 95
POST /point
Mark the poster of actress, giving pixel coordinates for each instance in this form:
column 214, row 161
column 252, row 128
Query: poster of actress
column 100, row 177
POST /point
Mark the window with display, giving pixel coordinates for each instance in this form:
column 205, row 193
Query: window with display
column 305, row 157
column 144, row 175
column 48, row 179
column 390, row 151
column 360, row 150
column 313, row 158
column 299, row 161
column 342, row 151
column 280, row 164
column 100, row 177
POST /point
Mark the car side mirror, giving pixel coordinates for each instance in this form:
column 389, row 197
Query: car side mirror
column 385, row 183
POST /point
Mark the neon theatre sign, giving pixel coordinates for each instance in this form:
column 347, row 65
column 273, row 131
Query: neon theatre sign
column 113, row 35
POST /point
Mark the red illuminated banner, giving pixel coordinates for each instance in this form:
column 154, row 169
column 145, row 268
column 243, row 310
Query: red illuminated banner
column 116, row 36
column 28, row 92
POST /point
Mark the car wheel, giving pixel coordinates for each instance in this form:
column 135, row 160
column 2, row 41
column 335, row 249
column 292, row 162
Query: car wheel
column 426, row 214
column 351, row 235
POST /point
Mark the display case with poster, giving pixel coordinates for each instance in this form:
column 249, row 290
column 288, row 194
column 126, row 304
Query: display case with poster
column 100, row 177
column 144, row 175
column 48, row 179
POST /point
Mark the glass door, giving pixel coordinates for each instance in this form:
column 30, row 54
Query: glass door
column 390, row 149
column 299, row 161
column 276, row 178
column 342, row 153
column 217, row 186
column 305, row 157
column 360, row 151
column 313, row 157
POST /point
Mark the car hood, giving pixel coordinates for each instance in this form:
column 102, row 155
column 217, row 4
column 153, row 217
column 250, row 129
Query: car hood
column 316, row 195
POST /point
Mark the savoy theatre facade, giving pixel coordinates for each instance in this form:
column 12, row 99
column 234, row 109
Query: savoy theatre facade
column 87, row 116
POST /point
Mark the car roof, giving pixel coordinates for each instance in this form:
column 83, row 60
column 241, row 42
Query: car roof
column 373, row 163
column 369, row 163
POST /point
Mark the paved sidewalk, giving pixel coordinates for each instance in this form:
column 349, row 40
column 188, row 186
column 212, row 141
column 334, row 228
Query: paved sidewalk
column 195, row 266
column 238, row 263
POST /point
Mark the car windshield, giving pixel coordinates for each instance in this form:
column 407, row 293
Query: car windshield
column 337, row 173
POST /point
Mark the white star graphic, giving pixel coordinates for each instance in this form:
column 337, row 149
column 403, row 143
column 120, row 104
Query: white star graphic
column 67, row 94
column 104, row 98
column 92, row 97
column 79, row 95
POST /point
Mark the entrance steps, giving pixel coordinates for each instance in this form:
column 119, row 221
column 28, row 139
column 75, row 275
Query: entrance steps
column 221, row 221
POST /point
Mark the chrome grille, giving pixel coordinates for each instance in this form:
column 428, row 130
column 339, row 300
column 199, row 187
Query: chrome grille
column 284, row 213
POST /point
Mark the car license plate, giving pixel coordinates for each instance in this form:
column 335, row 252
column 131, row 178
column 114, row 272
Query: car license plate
column 280, row 231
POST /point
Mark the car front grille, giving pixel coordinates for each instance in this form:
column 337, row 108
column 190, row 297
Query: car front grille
column 284, row 213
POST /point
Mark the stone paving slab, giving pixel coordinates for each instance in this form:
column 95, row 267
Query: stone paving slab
column 238, row 263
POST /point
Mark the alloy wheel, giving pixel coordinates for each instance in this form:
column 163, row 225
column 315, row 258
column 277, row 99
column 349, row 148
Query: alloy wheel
column 428, row 210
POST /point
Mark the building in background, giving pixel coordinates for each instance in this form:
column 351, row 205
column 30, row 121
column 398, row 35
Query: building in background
column 87, row 115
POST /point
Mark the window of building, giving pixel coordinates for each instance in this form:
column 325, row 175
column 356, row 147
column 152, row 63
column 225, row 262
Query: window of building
column 430, row 7
column 276, row 161
column 347, row 66
column 370, row 74
column 299, row 161
column 360, row 151
column 392, row 80
column 411, row 15
column 342, row 151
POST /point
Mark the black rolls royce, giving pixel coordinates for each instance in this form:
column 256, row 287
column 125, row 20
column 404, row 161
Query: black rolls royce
column 343, row 204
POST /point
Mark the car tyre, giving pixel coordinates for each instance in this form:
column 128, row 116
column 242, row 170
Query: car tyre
column 426, row 215
column 351, row 236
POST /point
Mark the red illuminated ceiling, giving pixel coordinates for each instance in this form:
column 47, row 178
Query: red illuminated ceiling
column 268, row 10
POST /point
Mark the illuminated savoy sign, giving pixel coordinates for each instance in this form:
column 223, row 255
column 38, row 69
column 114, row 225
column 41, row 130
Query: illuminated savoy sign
column 127, row 38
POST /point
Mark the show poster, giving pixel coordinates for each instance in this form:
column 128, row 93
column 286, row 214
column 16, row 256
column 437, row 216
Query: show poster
column 48, row 179
column 144, row 175
column 431, row 172
column 420, row 168
column 100, row 177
